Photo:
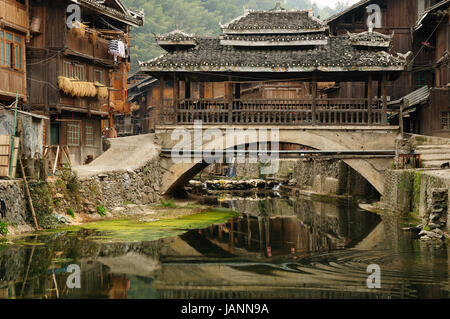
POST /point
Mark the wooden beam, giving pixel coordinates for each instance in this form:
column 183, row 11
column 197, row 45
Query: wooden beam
column 314, row 99
column 229, row 97
column 161, row 98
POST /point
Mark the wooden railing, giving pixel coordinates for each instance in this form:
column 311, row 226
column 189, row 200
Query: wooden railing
column 280, row 112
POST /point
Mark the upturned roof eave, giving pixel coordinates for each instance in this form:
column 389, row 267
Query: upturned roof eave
column 112, row 13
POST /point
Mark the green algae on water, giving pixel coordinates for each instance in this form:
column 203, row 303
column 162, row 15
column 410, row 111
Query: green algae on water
column 135, row 230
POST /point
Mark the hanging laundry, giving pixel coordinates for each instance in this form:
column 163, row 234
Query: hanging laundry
column 117, row 48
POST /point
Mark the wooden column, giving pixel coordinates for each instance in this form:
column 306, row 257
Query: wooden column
column 187, row 89
column 161, row 100
column 369, row 99
column 384, row 97
column 229, row 97
column 314, row 99
column 176, row 96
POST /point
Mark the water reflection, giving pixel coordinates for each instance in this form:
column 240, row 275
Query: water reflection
column 277, row 248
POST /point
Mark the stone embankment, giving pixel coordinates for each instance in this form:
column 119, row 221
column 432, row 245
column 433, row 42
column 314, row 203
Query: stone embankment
column 419, row 194
column 127, row 174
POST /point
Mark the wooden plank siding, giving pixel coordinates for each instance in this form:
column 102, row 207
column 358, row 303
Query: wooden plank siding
column 14, row 14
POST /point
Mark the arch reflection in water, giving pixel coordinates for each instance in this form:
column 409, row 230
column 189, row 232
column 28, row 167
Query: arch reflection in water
column 316, row 250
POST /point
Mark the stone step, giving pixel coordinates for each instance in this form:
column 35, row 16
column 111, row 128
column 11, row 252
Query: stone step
column 433, row 151
column 435, row 157
column 433, row 147
column 433, row 164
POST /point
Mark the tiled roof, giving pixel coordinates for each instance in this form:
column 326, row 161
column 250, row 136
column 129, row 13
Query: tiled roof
column 338, row 55
column 274, row 21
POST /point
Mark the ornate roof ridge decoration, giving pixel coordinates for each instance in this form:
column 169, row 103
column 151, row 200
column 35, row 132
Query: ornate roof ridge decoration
column 371, row 39
column 128, row 16
column 176, row 36
column 175, row 40
column 271, row 40
column 276, row 20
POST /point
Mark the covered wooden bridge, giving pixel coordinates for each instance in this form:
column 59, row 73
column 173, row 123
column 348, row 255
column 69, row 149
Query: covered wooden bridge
column 274, row 46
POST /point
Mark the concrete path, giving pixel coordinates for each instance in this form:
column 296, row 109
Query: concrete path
column 125, row 153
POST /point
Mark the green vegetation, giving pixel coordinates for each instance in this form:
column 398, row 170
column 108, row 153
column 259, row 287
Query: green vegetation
column 43, row 204
column 101, row 210
column 200, row 17
column 169, row 204
column 70, row 212
column 3, row 228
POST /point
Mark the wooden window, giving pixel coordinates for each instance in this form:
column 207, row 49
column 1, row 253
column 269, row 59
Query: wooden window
column 73, row 134
column 98, row 76
column 445, row 121
column 74, row 71
column 11, row 50
column 89, row 135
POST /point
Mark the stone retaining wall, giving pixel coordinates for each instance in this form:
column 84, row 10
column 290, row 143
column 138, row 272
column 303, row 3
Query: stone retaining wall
column 14, row 203
column 119, row 188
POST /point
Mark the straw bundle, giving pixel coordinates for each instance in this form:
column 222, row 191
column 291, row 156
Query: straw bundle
column 77, row 88
column 134, row 107
column 85, row 89
column 78, row 29
column 65, row 84
column 102, row 91
column 94, row 36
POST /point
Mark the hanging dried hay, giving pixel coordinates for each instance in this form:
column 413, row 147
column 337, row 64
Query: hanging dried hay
column 65, row 84
column 77, row 88
column 102, row 91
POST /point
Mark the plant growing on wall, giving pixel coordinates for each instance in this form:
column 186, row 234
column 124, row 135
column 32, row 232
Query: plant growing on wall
column 3, row 228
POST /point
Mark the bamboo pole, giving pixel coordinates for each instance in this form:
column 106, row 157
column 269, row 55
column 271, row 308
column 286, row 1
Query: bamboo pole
column 30, row 201
column 27, row 189
column 13, row 135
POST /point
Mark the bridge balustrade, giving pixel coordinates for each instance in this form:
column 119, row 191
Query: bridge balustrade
column 334, row 111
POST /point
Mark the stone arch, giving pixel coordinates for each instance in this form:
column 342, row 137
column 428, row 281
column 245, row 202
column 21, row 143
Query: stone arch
column 322, row 139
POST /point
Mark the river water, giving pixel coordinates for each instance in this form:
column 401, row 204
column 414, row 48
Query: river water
column 274, row 248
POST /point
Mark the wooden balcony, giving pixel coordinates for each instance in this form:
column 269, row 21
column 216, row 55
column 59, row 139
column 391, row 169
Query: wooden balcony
column 271, row 111
column 84, row 47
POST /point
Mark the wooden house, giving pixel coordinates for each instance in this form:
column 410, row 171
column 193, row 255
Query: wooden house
column 78, row 76
column 422, row 28
column 14, row 33
column 427, row 109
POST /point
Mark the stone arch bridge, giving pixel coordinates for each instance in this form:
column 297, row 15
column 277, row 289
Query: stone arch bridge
column 367, row 139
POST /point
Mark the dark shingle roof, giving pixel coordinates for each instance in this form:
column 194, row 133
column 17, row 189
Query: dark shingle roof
column 338, row 55
column 275, row 21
